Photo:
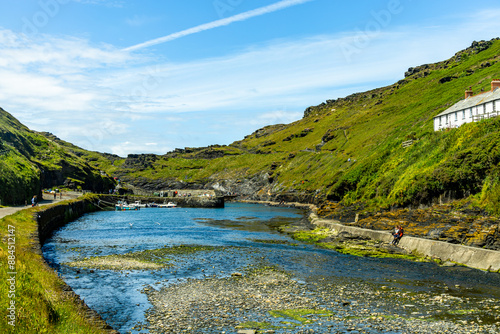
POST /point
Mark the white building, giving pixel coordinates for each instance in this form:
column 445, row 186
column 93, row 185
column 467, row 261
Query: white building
column 471, row 109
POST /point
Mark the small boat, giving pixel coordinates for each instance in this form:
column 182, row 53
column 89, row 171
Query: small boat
column 123, row 206
column 139, row 204
column 167, row 205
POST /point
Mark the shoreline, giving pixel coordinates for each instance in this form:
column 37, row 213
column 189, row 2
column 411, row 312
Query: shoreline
column 67, row 312
column 473, row 257
column 48, row 218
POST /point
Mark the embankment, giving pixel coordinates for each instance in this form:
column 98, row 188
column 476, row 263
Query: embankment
column 469, row 256
column 473, row 257
column 45, row 303
column 182, row 201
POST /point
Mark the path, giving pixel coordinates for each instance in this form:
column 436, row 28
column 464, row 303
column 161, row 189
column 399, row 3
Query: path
column 13, row 209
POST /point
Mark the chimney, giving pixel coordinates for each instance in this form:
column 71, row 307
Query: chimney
column 469, row 93
column 495, row 83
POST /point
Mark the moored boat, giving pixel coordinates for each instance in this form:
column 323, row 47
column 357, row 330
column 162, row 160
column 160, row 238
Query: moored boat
column 167, row 205
column 123, row 206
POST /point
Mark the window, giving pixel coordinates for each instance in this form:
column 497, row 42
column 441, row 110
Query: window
column 446, row 119
column 456, row 116
column 470, row 112
column 463, row 114
column 440, row 121
column 494, row 106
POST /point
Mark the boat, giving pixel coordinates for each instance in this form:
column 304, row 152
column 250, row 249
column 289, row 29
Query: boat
column 167, row 205
column 123, row 206
column 139, row 204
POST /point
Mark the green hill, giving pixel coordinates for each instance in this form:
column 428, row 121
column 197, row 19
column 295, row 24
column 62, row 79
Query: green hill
column 30, row 161
column 347, row 150
column 350, row 149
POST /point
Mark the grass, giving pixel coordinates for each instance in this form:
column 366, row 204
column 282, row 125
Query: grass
column 41, row 305
column 311, row 156
column 25, row 153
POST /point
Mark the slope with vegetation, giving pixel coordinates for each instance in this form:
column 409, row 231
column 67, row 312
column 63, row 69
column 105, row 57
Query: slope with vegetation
column 350, row 149
column 30, row 161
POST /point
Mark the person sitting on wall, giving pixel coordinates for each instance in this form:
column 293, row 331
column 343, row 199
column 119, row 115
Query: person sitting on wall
column 398, row 235
column 394, row 234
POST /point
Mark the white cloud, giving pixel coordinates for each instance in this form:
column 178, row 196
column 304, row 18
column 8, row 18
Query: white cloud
column 219, row 23
column 94, row 96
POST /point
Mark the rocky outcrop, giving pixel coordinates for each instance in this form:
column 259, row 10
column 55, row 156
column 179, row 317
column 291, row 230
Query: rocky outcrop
column 448, row 223
column 139, row 161
column 244, row 187
column 470, row 256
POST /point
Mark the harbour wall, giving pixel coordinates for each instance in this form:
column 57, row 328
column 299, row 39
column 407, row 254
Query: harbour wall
column 182, row 201
column 49, row 219
column 52, row 217
column 473, row 257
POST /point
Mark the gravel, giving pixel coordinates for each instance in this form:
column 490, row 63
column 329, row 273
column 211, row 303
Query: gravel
column 243, row 302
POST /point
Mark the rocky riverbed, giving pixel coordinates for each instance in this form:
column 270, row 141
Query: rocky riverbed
column 271, row 301
column 458, row 222
column 238, row 275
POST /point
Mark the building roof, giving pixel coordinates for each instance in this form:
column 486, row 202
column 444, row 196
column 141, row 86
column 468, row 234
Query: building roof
column 473, row 101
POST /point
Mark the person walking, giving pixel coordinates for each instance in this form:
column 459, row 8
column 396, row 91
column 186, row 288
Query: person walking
column 34, row 201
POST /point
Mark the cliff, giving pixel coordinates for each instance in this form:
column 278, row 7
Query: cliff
column 30, row 161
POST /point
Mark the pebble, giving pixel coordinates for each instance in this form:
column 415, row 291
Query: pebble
column 216, row 305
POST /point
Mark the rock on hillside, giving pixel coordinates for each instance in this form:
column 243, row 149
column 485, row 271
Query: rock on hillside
column 30, row 161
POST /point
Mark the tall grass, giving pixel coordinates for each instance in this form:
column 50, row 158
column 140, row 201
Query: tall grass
column 40, row 304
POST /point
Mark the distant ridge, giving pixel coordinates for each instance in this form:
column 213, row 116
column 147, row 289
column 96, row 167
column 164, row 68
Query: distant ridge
column 347, row 150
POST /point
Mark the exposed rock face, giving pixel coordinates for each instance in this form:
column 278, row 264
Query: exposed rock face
column 267, row 130
column 466, row 226
column 139, row 161
column 329, row 135
column 161, row 184
column 242, row 187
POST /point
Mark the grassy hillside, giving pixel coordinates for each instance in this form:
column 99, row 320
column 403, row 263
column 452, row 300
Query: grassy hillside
column 30, row 161
column 350, row 149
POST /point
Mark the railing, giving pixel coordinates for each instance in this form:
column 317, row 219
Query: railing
column 480, row 117
column 407, row 143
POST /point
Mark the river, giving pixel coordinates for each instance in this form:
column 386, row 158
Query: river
column 243, row 236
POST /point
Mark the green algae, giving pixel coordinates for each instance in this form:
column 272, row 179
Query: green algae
column 363, row 248
column 257, row 325
column 151, row 259
column 274, row 242
column 312, row 236
column 293, row 318
column 303, row 316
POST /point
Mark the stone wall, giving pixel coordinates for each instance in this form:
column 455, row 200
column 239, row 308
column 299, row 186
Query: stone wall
column 56, row 216
column 182, row 201
column 51, row 218
column 478, row 258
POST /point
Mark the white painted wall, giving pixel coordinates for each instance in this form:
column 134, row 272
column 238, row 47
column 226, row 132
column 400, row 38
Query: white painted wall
column 458, row 118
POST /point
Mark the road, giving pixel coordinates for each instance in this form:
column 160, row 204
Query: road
column 13, row 209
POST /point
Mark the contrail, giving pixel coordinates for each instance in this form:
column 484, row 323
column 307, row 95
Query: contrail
column 219, row 23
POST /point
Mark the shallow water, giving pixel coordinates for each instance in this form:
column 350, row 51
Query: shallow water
column 243, row 229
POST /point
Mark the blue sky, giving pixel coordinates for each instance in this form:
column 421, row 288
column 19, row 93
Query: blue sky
column 123, row 76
